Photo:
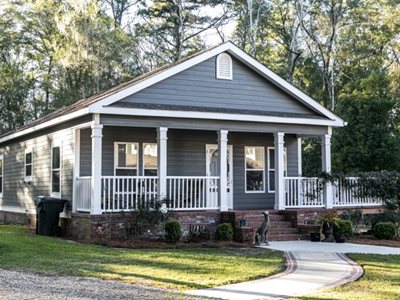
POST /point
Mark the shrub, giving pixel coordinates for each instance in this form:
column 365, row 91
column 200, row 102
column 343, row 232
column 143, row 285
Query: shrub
column 343, row 227
column 384, row 230
column 355, row 216
column 224, row 232
column 173, row 231
column 386, row 216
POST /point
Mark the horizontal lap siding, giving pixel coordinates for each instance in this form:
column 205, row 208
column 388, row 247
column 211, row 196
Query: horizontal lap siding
column 22, row 194
column 187, row 156
column 197, row 86
column 241, row 199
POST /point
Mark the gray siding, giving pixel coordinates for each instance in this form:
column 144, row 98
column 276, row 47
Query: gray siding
column 19, row 193
column 198, row 87
column 187, row 156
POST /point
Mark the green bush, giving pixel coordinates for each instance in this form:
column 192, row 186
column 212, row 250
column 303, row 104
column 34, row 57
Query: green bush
column 386, row 216
column 224, row 232
column 384, row 230
column 173, row 231
column 343, row 227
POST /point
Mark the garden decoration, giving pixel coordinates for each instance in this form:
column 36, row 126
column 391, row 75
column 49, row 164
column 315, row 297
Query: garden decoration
column 262, row 231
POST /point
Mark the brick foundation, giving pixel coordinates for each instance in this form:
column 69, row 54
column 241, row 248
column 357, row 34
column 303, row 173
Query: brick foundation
column 113, row 226
column 8, row 217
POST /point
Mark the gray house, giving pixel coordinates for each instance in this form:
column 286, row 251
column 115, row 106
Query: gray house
column 215, row 132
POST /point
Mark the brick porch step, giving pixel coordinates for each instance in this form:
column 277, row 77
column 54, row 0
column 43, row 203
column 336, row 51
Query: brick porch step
column 288, row 237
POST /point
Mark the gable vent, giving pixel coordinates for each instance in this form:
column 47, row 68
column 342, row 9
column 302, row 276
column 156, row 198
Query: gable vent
column 224, row 66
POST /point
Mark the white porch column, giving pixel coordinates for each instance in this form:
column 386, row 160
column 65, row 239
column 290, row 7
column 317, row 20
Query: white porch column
column 223, row 169
column 326, row 167
column 97, row 142
column 279, row 171
column 162, row 161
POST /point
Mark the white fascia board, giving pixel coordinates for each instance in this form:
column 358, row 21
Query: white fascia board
column 213, row 116
column 49, row 123
column 161, row 76
column 239, row 54
column 282, row 83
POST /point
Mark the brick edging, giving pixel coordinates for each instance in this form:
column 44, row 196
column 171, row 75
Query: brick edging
column 291, row 266
column 356, row 272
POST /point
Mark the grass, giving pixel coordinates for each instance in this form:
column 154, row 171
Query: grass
column 170, row 268
column 381, row 280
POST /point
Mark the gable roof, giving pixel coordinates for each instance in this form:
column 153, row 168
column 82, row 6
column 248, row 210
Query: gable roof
column 99, row 102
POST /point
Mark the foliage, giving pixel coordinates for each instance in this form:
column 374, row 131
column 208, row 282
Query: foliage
column 173, row 231
column 329, row 219
column 354, row 216
column 385, row 216
column 343, row 227
column 224, row 232
column 384, row 230
column 191, row 268
column 148, row 213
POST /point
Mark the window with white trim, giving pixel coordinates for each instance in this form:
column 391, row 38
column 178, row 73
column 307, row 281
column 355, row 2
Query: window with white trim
column 224, row 67
column 56, row 170
column 1, row 174
column 271, row 168
column 126, row 159
column 254, row 169
column 28, row 165
column 150, row 159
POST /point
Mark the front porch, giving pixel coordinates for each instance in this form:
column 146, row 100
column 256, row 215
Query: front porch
column 201, row 170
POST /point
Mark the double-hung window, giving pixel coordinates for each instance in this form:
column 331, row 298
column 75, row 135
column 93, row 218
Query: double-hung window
column 271, row 168
column 1, row 174
column 56, row 170
column 28, row 165
column 150, row 159
column 254, row 169
column 126, row 159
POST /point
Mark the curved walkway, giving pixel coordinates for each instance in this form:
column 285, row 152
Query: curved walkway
column 310, row 268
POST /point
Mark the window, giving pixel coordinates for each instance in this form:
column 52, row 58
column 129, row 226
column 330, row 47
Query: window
column 126, row 159
column 271, row 168
column 28, row 165
column 254, row 168
column 56, row 170
column 224, row 66
column 1, row 174
column 150, row 159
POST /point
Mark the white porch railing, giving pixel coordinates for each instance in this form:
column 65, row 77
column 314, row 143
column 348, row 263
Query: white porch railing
column 350, row 191
column 304, row 192
column 123, row 193
column 192, row 193
column 83, row 193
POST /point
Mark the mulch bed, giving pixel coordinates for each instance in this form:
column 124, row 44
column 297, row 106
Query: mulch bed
column 368, row 239
column 146, row 244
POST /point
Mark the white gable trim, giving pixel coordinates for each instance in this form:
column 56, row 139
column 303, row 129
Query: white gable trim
column 240, row 55
column 214, row 116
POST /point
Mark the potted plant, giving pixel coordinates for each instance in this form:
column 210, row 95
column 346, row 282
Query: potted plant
column 342, row 229
column 327, row 222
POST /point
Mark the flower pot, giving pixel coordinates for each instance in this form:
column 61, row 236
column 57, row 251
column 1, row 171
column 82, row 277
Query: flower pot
column 327, row 230
column 315, row 237
column 339, row 238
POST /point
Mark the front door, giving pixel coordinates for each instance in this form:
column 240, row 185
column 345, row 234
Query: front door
column 212, row 169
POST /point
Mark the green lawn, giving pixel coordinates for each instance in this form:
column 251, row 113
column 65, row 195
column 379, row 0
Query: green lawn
column 172, row 268
column 381, row 280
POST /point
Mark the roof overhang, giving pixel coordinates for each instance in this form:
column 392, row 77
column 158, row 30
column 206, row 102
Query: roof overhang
column 138, row 112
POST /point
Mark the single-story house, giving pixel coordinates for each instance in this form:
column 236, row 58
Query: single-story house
column 215, row 132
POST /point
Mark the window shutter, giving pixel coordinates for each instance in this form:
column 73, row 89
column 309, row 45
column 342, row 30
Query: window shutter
column 224, row 66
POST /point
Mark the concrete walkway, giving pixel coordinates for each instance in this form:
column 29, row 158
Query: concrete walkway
column 311, row 266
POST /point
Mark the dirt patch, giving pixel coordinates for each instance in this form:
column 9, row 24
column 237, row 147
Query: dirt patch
column 368, row 239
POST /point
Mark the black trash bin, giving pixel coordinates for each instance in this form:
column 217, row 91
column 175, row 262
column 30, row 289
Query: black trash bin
column 48, row 215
